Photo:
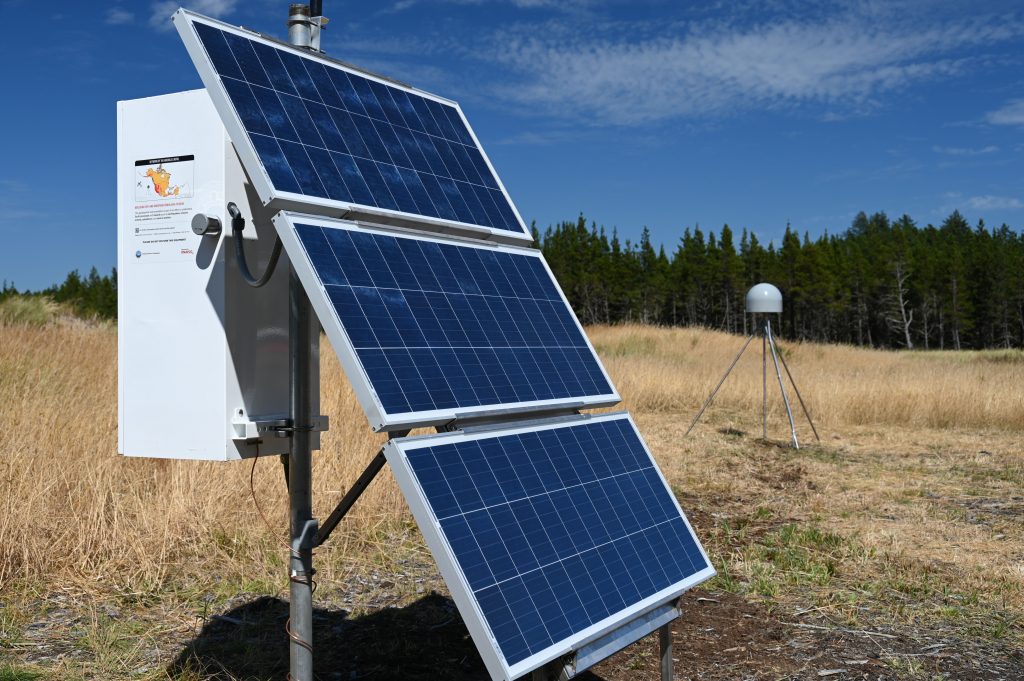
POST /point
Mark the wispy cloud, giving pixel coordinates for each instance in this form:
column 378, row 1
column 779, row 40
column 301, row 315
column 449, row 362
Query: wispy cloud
column 1011, row 113
column 402, row 5
column 966, row 151
column 118, row 16
column 688, row 70
column 161, row 11
column 990, row 202
column 16, row 204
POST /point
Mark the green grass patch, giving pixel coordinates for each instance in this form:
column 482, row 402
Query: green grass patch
column 808, row 564
column 10, row 672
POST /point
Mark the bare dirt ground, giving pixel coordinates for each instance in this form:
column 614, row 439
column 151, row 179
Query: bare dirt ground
column 721, row 636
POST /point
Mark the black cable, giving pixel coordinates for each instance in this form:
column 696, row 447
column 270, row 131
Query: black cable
column 237, row 226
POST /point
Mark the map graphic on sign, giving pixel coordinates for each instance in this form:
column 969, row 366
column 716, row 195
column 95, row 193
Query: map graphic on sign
column 164, row 178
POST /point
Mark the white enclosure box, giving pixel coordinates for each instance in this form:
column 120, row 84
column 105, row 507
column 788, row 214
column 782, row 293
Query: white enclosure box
column 203, row 362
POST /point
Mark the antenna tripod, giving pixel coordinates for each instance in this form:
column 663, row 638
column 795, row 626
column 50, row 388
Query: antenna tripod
column 767, row 343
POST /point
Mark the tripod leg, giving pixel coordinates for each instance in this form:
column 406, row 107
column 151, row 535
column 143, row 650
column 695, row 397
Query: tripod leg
column 718, row 387
column 797, row 391
column 764, row 385
column 782, row 387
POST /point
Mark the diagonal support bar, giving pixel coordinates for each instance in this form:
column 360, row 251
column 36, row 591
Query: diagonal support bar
column 350, row 498
column 719, row 386
column 764, row 384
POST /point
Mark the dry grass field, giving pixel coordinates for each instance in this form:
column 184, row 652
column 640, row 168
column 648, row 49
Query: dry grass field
column 894, row 548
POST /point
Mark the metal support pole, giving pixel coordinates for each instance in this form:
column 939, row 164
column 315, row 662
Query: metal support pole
column 719, row 386
column 782, row 386
column 665, row 638
column 799, row 397
column 299, row 25
column 300, row 493
column 764, row 382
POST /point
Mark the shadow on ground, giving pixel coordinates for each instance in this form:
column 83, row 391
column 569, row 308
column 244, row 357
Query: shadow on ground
column 424, row 640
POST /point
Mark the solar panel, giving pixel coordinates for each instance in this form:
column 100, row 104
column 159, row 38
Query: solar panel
column 313, row 132
column 548, row 536
column 431, row 329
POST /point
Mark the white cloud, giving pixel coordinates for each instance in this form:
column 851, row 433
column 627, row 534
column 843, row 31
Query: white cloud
column 990, row 202
column 561, row 5
column 161, row 11
column 1011, row 113
column 844, row 62
column 966, row 151
column 117, row 16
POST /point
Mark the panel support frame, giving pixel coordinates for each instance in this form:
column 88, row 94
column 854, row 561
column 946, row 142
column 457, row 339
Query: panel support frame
column 586, row 656
column 368, row 475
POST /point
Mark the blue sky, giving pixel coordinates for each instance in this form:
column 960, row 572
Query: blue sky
column 639, row 112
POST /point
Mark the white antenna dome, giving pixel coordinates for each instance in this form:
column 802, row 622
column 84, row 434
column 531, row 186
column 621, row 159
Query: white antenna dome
column 764, row 299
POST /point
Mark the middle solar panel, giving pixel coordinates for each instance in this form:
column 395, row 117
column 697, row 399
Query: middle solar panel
column 431, row 329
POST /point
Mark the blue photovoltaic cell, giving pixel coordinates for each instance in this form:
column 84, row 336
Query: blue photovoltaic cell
column 443, row 326
column 327, row 132
column 558, row 529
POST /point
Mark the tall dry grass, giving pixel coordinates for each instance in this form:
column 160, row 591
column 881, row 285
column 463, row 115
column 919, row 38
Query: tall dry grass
column 72, row 509
column 674, row 370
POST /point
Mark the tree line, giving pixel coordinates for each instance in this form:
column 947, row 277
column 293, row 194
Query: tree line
column 880, row 283
column 91, row 296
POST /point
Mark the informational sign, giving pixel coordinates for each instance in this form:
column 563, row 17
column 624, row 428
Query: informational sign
column 161, row 221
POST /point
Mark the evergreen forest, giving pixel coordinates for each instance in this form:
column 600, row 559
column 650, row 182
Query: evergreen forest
column 881, row 283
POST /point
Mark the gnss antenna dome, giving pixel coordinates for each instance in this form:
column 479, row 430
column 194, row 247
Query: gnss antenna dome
column 764, row 299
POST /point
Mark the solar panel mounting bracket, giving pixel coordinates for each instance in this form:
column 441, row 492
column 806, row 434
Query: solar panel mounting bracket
column 499, row 420
column 593, row 652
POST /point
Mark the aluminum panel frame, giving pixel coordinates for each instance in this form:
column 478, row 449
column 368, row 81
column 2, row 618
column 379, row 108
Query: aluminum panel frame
column 183, row 21
column 395, row 451
column 380, row 419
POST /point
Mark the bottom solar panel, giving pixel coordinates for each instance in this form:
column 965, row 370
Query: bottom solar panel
column 548, row 535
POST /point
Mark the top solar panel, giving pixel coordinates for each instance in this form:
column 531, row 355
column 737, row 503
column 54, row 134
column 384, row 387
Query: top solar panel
column 315, row 134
